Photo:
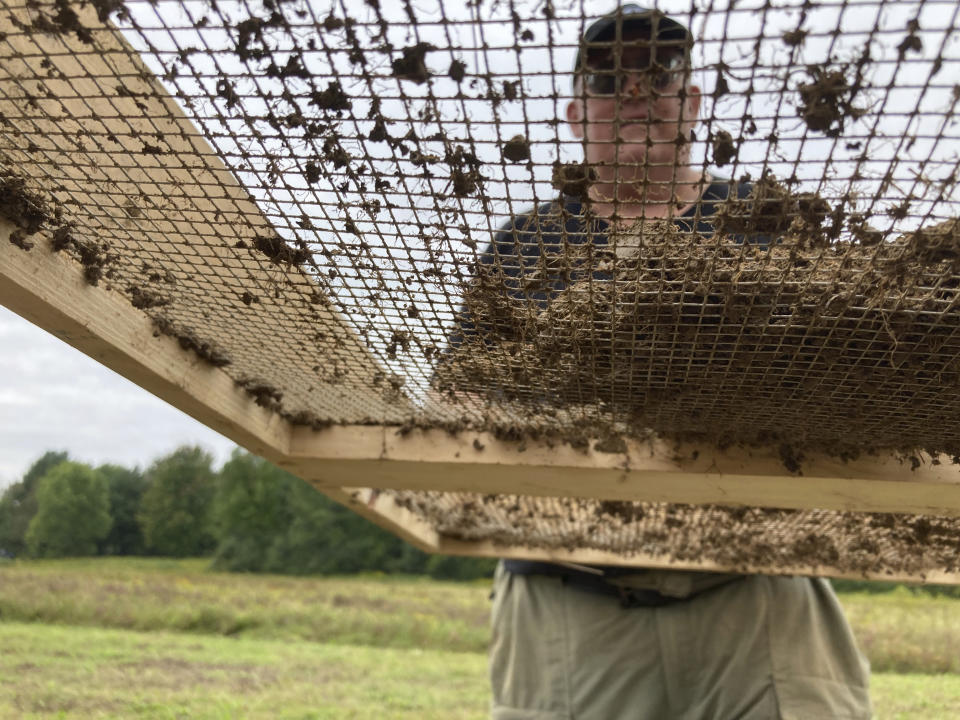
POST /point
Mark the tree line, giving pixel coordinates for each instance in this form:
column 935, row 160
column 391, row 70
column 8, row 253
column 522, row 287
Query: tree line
column 250, row 516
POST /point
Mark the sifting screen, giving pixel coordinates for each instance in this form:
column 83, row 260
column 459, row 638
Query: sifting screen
column 334, row 202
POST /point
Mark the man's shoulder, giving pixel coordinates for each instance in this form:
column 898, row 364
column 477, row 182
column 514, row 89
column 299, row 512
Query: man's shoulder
column 698, row 218
column 549, row 217
column 721, row 189
column 543, row 226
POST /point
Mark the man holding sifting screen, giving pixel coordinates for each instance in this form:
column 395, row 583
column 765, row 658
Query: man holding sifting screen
column 572, row 642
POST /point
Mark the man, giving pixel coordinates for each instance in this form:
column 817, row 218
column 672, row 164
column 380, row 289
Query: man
column 608, row 643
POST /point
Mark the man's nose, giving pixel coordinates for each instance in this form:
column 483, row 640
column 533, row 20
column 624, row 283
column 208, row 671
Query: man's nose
column 635, row 86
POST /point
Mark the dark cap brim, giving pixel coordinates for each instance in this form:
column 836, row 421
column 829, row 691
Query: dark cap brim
column 632, row 17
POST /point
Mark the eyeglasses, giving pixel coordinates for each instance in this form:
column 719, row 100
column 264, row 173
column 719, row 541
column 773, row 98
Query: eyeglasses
column 601, row 79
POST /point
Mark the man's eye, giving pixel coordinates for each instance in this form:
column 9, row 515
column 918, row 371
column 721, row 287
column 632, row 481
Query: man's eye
column 602, row 83
column 662, row 80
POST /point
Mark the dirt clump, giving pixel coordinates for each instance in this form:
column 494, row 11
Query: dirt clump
column 307, row 418
column 188, row 340
column 613, row 444
column 574, row 179
column 724, row 149
column 263, row 393
column 412, row 64
column 912, row 41
column 31, row 213
column 62, row 238
column 333, row 98
column 932, row 246
column 826, row 100
column 107, row 8
column 96, row 258
column 516, row 149
column 457, row 71
column 144, row 298
column 26, row 209
column 768, row 209
column 465, row 176
column 279, row 252
column 794, row 38
column 61, row 22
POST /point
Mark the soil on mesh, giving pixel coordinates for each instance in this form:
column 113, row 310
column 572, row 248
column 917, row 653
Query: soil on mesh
column 724, row 148
column 188, row 340
column 27, row 210
column 742, row 539
column 279, row 252
column 31, row 212
column 574, row 179
column 263, row 393
column 144, row 298
column 412, row 64
column 826, row 100
column 516, row 149
column 97, row 258
column 307, row 418
column 802, row 343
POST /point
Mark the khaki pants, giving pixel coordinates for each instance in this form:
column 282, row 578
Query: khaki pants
column 760, row 648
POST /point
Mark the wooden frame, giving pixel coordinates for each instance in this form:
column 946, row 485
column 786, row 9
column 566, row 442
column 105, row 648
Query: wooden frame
column 48, row 289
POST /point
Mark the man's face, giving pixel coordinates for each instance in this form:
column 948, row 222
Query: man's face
column 630, row 112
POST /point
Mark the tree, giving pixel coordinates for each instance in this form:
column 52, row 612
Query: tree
column 19, row 503
column 267, row 520
column 250, row 512
column 73, row 512
column 175, row 510
column 126, row 491
column 326, row 538
column 449, row 567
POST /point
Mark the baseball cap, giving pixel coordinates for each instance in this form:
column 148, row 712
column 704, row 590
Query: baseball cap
column 632, row 16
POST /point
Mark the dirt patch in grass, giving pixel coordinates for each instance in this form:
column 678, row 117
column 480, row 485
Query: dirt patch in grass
column 176, row 672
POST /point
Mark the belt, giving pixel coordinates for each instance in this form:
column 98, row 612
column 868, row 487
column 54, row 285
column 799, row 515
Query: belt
column 593, row 583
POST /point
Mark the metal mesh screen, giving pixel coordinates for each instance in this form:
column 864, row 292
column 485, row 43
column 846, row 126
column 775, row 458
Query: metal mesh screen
column 738, row 539
column 386, row 144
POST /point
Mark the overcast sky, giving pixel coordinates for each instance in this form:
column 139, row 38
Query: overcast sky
column 53, row 397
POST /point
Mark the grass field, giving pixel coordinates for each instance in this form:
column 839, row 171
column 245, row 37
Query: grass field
column 116, row 638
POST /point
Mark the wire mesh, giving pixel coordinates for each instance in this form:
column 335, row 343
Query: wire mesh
column 737, row 539
column 335, row 203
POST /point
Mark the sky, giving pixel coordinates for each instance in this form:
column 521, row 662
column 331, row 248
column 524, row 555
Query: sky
column 53, row 397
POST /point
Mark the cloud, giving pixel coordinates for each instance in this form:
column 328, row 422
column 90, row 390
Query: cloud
column 53, row 397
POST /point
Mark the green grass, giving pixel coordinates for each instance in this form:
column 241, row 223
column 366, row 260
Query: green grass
column 69, row 672
column 902, row 633
column 142, row 594
column 915, row 697
column 899, row 631
column 72, row 672
column 156, row 638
